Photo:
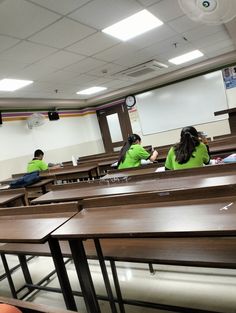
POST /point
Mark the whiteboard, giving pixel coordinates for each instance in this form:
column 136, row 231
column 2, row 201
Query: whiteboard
column 189, row 102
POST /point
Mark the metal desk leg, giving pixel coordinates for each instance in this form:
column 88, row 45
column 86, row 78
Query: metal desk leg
column 25, row 270
column 8, row 274
column 105, row 275
column 117, row 286
column 90, row 175
column 84, row 275
column 62, row 274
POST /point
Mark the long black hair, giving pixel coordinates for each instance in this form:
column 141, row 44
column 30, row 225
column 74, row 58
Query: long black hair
column 188, row 141
column 130, row 141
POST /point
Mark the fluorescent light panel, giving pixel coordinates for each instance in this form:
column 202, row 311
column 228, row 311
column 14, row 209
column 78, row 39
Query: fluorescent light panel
column 133, row 25
column 13, row 84
column 186, row 57
column 91, row 90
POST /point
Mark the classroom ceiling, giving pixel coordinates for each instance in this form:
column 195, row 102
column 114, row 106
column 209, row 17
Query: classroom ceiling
column 59, row 45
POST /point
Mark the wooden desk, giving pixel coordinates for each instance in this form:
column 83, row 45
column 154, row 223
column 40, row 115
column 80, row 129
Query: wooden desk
column 193, row 186
column 34, row 190
column 41, row 187
column 192, row 218
column 190, row 227
column 134, row 174
column 10, row 197
column 34, row 225
column 129, row 172
column 70, row 173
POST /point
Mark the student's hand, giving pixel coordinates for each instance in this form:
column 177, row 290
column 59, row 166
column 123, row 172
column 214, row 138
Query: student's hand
column 203, row 140
column 154, row 155
column 55, row 167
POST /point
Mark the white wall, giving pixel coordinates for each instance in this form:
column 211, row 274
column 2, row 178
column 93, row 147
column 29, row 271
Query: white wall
column 59, row 140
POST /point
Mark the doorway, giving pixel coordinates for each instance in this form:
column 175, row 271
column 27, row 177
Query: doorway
column 115, row 126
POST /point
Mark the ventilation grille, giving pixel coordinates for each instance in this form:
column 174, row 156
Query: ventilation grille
column 143, row 69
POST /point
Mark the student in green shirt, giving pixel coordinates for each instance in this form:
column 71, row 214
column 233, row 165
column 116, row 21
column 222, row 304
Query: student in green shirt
column 189, row 152
column 132, row 153
column 37, row 164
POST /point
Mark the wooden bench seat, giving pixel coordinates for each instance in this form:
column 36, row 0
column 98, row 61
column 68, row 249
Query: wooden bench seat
column 13, row 197
column 28, row 307
column 199, row 252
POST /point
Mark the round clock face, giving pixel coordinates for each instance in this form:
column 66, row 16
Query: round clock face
column 130, row 101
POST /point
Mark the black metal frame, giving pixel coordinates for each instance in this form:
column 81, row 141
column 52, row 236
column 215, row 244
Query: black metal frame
column 87, row 287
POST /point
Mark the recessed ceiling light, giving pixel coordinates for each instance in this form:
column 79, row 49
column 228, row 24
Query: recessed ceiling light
column 133, row 25
column 186, row 57
column 91, row 90
column 13, row 84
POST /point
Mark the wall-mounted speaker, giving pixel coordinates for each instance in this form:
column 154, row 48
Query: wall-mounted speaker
column 0, row 118
column 53, row 116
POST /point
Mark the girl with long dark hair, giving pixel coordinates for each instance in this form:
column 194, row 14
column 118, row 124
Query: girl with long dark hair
column 132, row 153
column 189, row 152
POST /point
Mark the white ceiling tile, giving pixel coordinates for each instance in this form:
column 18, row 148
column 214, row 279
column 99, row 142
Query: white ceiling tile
column 26, row 52
column 166, row 10
column 60, row 76
column 135, row 58
column 116, row 52
column 93, row 44
column 211, row 39
column 202, row 31
column 88, row 57
column 179, row 50
column 52, row 87
column 217, row 46
column 35, row 71
column 61, row 6
column 114, row 82
column 103, row 13
column 183, row 24
column 215, row 53
column 7, row 42
column 60, row 59
column 166, row 45
column 83, row 80
column 21, row 19
column 10, row 67
column 85, row 65
column 62, row 33
column 106, row 70
column 156, row 35
column 148, row 2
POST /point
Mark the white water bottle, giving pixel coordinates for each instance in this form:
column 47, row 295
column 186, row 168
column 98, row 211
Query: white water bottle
column 74, row 162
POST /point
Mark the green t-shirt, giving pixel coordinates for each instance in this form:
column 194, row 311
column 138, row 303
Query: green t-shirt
column 36, row 165
column 133, row 157
column 199, row 158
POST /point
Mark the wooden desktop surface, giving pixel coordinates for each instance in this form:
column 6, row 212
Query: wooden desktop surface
column 41, row 183
column 149, row 172
column 68, row 170
column 31, row 228
column 180, row 184
column 187, row 226
column 7, row 198
column 206, row 217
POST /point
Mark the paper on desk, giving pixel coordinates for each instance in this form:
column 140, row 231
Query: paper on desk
column 4, row 187
column 160, row 169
